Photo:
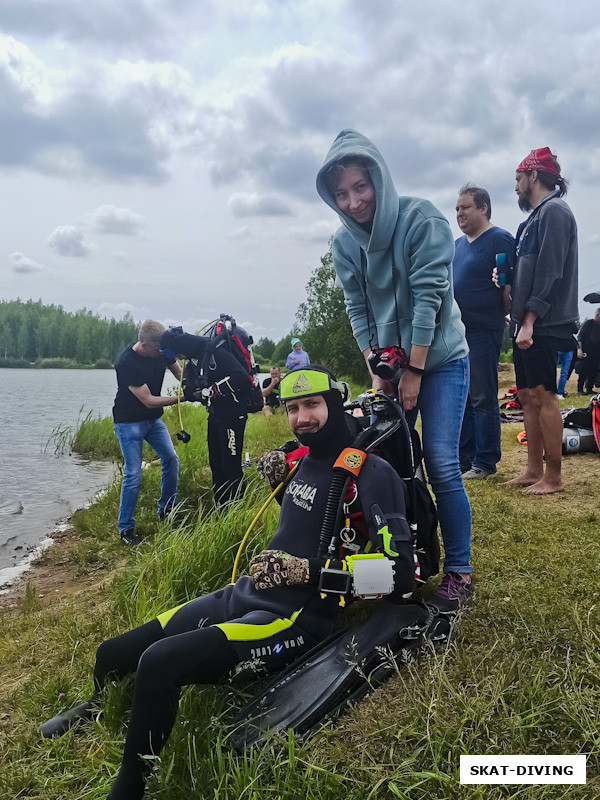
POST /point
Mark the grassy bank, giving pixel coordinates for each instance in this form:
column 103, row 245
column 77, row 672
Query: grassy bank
column 520, row 676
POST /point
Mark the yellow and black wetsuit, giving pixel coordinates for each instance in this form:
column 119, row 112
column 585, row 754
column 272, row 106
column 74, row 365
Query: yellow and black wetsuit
column 203, row 640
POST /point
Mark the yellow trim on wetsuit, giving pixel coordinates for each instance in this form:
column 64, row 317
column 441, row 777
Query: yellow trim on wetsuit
column 249, row 631
column 167, row 616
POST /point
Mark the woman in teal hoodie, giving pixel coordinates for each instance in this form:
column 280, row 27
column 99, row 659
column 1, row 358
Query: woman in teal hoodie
column 393, row 258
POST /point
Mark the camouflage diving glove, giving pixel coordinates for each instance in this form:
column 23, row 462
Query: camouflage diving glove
column 273, row 568
column 273, row 466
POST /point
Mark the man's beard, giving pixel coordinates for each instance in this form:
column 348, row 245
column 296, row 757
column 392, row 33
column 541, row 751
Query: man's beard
column 525, row 202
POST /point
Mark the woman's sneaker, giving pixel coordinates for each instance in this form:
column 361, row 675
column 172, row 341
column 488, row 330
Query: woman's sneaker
column 450, row 595
column 476, row 474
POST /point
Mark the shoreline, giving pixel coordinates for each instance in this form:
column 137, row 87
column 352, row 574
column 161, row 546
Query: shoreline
column 9, row 576
column 14, row 579
column 52, row 576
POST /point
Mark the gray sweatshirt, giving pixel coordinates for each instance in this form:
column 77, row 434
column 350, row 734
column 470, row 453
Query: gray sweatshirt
column 545, row 278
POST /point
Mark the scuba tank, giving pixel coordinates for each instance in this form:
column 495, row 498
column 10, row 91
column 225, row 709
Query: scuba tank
column 578, row 440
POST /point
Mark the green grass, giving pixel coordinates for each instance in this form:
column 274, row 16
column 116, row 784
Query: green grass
column 520, row 675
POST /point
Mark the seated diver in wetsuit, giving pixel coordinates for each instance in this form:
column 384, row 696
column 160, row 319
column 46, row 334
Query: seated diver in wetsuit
column 277, row 612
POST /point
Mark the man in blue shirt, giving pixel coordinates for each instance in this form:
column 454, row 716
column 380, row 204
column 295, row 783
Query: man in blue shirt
column 483, row 306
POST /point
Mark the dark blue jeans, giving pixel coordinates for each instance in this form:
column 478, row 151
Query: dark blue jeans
column 480, row 434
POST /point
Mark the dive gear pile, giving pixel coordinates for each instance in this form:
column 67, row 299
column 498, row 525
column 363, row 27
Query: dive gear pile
column 581, row 428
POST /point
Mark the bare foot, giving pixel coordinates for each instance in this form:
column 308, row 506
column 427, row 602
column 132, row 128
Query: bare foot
column 545, row 487
column 526, row 479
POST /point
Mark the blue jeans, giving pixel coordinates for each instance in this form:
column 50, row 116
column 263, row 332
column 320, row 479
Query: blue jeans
column 131, row 436
column 564, row 362
column 480, row 435
column 441, row 404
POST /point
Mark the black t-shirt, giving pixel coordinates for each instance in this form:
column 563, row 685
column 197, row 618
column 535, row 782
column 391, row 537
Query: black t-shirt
column 136, row 370
column 273, row 398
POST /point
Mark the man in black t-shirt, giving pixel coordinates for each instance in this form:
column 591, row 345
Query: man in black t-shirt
column 137, row 410
column 270, row 391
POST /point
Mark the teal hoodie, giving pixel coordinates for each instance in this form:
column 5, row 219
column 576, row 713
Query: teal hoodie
column 408, row 253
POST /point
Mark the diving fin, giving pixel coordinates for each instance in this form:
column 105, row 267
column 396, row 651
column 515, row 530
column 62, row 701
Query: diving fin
column 340, row 670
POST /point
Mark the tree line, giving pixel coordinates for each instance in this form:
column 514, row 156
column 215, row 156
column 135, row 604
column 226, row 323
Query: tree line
column 33, row 333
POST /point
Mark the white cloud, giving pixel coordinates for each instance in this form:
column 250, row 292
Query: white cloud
column 120, row 258
column 243, row 204
column 68, row 240
column 110, row 219
column 135, row 24
column 320, row 231
column 240, row 233
column 23, row 264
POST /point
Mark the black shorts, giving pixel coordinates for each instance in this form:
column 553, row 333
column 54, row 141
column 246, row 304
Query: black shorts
column 536, row 366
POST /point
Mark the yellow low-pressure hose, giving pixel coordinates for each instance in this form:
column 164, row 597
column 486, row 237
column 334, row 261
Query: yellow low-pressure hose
column 255, row 520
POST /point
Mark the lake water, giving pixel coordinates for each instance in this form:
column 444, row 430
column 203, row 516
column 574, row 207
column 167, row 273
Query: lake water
column 40, row 487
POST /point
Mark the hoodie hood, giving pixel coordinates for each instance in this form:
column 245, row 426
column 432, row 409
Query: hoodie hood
column 352, row 143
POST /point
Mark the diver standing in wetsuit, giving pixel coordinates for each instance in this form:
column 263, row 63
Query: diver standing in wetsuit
column 274, row 615
column 227, row 419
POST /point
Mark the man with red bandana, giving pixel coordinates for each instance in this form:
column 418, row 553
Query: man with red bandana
column 543, row 312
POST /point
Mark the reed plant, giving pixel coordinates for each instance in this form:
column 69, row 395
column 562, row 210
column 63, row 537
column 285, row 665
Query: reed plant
column 520, row 675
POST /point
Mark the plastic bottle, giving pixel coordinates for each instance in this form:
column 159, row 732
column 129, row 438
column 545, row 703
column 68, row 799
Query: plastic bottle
column 501, row 267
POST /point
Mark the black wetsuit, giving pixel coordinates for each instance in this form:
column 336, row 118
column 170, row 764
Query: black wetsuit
column 203, row 640
column 226, row 424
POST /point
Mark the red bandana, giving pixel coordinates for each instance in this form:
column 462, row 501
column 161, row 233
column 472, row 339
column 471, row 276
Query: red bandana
column 539, row 159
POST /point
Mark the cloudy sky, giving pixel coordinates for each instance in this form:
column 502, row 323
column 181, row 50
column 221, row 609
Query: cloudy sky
column 159, row 156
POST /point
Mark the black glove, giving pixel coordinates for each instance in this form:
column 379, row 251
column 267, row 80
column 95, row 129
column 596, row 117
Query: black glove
column 273, row 568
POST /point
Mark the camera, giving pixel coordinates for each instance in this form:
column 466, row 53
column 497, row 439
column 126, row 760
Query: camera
column 386, row 362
